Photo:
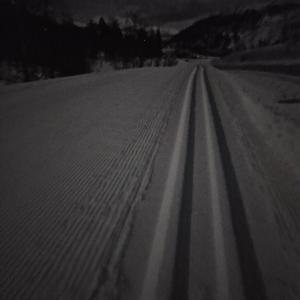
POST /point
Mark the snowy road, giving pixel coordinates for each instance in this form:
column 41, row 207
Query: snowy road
column 160, row 183
column 232, row 234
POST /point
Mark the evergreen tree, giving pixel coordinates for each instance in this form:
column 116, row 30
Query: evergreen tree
column 38, row 43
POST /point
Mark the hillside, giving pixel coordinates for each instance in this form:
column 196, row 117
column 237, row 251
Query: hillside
column 222, row 34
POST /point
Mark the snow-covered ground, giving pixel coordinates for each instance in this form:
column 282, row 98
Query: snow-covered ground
column 263, row 131
column 213, row 155
column 76, row 154
column 279, row 58
column 240, row 234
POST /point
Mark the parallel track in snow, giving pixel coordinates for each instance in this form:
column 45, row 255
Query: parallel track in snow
column 151, row 281
column 85, row 238
column 252, row 281
column 225, row 194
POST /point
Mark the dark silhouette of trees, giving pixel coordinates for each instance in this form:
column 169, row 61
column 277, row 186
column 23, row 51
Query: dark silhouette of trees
column 36, row 44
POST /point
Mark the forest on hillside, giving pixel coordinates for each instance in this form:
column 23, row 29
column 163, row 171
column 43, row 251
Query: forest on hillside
column 38, row 45
column 221, row 34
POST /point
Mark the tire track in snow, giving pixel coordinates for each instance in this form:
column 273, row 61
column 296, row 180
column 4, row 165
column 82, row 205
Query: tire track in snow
column 222, row 274
column 251, row 275
column 150, row 284
column 180, row 281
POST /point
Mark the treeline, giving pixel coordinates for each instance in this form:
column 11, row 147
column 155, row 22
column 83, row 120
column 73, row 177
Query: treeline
column 35, row 45
column 222, row 33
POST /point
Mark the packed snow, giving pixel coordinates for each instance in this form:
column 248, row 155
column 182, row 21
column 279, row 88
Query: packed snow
column 75, row 158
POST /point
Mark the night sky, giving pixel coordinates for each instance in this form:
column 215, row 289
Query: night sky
column 155, row 12
column 159, row 11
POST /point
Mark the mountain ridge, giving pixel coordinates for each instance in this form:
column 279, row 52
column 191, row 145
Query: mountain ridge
column 221, row 34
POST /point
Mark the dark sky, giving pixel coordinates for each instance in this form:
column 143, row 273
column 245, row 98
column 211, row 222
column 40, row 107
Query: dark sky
column 155, row 10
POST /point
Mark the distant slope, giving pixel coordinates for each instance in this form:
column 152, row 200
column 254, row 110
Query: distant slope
column 221, row 34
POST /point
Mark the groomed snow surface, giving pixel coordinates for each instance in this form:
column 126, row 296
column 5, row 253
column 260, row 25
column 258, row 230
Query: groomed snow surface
column 260, row 114
column 76, row 155
column 85, row 162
